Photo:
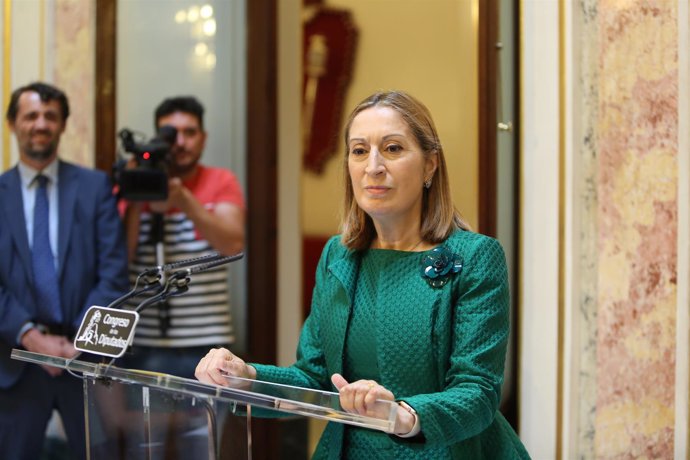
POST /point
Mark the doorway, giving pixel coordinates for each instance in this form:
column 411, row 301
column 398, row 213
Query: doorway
column 499, row 157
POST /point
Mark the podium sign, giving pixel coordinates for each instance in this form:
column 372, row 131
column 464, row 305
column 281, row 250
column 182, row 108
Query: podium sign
column 106, row 331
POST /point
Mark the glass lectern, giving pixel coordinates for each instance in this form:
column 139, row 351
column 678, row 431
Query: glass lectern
column 133, row 414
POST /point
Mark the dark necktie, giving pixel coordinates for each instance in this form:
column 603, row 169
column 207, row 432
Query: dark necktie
column 45, row 277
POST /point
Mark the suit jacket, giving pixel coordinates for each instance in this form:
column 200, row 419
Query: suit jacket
column 92, row 258
column 441, row 349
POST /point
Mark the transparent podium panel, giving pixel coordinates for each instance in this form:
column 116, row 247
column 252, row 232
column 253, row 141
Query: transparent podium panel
column 131, row 421
column 310, row 403
column 134, row 414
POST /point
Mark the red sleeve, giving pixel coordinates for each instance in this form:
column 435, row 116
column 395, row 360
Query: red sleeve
column 217, row 185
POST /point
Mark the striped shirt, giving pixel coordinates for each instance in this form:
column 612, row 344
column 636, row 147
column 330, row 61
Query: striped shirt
column 201, row 316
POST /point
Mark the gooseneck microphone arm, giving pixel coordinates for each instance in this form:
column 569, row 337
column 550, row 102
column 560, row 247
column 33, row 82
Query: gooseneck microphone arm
column 175, row 285
column 178, row 282
column 150, row 279
column 194, row 261
column 209, row 264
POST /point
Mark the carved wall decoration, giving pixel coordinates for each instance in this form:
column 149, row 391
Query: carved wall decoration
column 329, row 42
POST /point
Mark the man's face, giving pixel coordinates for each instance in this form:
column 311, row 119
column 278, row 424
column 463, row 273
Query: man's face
column 37, row 127
column 189, row 143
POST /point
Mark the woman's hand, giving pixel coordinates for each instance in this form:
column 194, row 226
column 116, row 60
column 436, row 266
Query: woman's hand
column 360, row 398
column 219, row 362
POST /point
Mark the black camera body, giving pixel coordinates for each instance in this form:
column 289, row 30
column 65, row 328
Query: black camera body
column 148, row 180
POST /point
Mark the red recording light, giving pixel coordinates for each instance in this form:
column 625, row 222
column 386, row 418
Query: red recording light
column 146, row 155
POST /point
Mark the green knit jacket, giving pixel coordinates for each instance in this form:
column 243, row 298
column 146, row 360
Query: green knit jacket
column 442, row 350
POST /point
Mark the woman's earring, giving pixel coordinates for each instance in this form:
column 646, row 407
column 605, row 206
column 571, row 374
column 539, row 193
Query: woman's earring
column 427, row 183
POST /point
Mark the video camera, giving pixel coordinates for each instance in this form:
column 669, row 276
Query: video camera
column 148, row 180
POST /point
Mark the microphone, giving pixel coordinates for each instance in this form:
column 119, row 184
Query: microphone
column 208, row 264
column 150, row 278
column 193, row 261
column 177, row 283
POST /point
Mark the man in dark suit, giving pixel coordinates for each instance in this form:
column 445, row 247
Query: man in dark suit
column 62, row 250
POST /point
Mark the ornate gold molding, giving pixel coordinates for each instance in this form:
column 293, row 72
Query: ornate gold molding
column 560, row 377
column 6, row 76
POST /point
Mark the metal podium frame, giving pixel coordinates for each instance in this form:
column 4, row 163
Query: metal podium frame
column 168, row 394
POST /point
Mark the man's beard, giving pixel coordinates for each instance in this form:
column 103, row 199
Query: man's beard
column 180, row 170
column 41, row 154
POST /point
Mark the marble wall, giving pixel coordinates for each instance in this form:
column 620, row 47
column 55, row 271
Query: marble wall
column 72, row 52
column 52, row 41
column 628, row 157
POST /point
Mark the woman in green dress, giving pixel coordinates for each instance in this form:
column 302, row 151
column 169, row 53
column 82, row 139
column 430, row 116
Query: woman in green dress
column 409, row 305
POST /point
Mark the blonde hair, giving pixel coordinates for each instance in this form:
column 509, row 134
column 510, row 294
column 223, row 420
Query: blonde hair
column 439, row 216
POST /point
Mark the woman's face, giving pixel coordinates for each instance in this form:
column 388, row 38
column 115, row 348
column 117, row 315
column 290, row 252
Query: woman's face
column 387, row 166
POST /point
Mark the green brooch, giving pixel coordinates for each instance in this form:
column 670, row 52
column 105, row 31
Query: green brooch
column 438, row 265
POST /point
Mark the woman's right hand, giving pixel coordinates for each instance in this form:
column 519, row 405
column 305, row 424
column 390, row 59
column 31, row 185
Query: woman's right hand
column 220, row 362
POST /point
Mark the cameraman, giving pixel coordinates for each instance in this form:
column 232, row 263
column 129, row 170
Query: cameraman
column 204, row 212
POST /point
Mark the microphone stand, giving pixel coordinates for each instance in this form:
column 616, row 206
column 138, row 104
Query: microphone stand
column 150, row 279
column 158, row 239
column 177, row 284
column 180, row 280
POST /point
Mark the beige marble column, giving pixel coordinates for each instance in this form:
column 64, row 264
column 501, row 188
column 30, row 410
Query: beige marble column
column 629, row 228
column 72, row 51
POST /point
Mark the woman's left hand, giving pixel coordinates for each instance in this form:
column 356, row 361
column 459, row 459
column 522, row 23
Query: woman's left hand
column 360, row 398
